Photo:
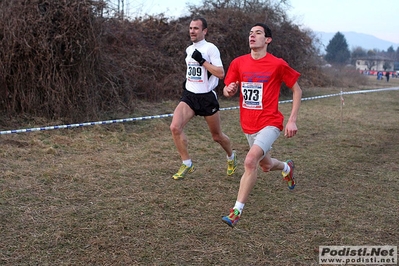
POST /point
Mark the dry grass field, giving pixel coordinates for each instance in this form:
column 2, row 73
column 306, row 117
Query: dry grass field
column 104, row 195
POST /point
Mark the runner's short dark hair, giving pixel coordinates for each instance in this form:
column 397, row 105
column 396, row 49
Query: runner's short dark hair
column 204, row 23
column 268, row 31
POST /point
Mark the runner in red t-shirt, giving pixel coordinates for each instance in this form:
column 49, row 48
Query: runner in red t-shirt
column 259, row 76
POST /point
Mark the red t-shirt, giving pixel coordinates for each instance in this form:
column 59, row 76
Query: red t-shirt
column 260, row 83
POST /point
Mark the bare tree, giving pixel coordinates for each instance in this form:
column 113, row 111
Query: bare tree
column 370, row 63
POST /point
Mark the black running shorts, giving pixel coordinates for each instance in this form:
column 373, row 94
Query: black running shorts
column 203, row 104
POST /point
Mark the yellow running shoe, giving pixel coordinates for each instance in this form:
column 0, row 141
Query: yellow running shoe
column 232, row 164
column 184, row 169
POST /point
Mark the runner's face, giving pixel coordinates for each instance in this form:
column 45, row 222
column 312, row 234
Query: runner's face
column 196, row 32
column 257, row 38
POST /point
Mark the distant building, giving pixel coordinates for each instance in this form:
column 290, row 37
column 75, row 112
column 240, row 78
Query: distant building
column 375, row 63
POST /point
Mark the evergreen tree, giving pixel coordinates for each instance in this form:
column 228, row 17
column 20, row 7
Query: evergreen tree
column 337, row 50
column 391, row 54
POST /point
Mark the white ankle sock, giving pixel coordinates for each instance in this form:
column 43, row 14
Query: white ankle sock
column 286, row 169
column 188, row 162
column 239, row 206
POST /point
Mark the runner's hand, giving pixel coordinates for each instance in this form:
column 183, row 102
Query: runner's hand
column 232, row 88
column 197, row 56
column 290, row 129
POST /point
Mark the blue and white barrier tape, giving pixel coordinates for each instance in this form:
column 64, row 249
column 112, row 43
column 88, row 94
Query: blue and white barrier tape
column 84, row 124
column 169, row 115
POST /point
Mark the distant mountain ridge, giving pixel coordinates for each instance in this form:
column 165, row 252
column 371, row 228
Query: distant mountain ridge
column 354, row 39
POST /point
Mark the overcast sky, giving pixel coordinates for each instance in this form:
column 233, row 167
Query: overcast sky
column 379, row 18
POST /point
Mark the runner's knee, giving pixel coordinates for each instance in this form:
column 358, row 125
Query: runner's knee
column 176, row 130
column 250, row 163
